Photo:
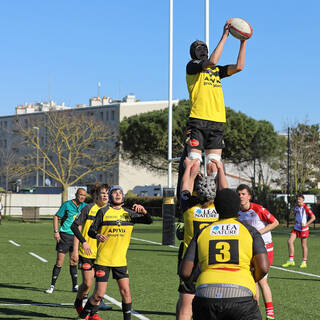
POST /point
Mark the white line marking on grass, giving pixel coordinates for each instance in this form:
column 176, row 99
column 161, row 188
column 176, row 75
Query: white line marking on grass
column 36, row 304
column 274, row 267
column 116, row 302
column 299, row 272
column 153, row 242
column 38, row 257
column 14, row 243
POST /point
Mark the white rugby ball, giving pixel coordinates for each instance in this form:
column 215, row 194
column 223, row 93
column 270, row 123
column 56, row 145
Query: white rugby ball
column 240, row 29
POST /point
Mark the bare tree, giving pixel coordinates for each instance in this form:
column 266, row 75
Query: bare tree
column 12, row 169
column 304, row 155
column 73, row 146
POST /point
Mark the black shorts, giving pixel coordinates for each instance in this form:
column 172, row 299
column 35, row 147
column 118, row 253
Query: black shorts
column 85, row 264
column 205, row 134
column 101, row 273
column 244, row 308
column 66, row 243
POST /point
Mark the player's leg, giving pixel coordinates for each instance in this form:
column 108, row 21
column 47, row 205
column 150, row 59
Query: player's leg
column 257, row 296
column 267, row 297
column 213, row 136
column 73, row 263
column 291, row 240
column 87, row 271
column 304, row 252
column 212, row 154
column 195, row 143
column 185, row 312
column 56, row 271
column 122, row 277
column 92, row 305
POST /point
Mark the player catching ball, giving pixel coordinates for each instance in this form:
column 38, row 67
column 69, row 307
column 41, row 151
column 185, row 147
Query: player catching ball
column 208, row 112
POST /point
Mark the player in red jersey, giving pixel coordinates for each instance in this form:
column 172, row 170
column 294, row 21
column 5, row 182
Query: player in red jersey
column 300, row 230
column 260, row 218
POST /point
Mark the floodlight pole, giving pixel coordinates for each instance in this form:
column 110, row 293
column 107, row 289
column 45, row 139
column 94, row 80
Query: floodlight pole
column 170, row 94
column 37, row 176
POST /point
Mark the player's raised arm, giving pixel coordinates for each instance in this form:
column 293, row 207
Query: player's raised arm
column 234, row 68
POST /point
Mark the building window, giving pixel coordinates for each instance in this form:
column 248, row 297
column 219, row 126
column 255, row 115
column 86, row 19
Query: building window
column 107, row 115
column 112, row 115
column 101, row 115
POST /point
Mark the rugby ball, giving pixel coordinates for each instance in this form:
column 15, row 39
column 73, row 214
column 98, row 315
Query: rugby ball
column 240, row 29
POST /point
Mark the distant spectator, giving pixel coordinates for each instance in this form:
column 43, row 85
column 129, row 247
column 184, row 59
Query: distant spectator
column 300, row 230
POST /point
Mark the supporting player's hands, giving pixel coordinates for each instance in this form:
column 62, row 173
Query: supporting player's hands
column 218, row 164
column 86, row 248
column 101, row 237
column 194, row 166
column 139, row 208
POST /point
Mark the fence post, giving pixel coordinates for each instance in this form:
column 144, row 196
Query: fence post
column 168, row 217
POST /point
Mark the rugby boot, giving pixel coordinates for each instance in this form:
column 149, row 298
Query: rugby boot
column 50, row 290
column 95, row 317
column 75, row 288
column 289, row 264
column 104, row 306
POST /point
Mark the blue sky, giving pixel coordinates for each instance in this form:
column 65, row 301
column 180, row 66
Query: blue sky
column 60, row 50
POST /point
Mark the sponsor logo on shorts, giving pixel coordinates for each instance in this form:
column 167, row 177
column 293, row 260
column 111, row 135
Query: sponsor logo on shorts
column 224, row 229
column 194, row 143
column 206, row 213
column 100, row 273
column 86, row 266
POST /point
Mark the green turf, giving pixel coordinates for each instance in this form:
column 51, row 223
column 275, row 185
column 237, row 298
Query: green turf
column 153, row 279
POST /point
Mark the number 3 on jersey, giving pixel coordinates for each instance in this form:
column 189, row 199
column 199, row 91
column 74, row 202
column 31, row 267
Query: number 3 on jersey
column 223, row 251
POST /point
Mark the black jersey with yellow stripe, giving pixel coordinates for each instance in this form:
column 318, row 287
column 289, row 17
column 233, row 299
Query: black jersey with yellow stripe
column 195, row 216
column 117, row 225
column 225, row 250
column 85, row 219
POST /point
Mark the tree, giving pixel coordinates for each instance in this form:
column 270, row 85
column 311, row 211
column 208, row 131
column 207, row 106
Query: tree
column 304, row 141
column 73, row 146
column 144, row 137
column 12, row 169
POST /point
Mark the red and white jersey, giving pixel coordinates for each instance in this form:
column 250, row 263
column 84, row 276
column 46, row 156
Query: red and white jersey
column 302, row 214
column 258, row 217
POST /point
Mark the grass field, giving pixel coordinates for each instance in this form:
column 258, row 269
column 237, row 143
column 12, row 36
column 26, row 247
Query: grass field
column 153, row 279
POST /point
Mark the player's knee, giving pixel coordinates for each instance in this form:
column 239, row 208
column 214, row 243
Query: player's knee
column 213, row 156
column 195, row 156
column 125, row 293
column 85, row 286
column 97, row 297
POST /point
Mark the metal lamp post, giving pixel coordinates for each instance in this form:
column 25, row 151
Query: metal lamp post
column 37, row 163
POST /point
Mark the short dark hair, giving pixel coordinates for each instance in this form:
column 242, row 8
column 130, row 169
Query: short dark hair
column 300, row 195
column 98, row 187
column 244, row 187
column 227, row 203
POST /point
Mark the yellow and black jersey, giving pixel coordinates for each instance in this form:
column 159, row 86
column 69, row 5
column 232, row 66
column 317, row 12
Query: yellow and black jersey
column 117, row 225
column 195, row 217
column 205, row 91
column 85, row 219
column 225, row 250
